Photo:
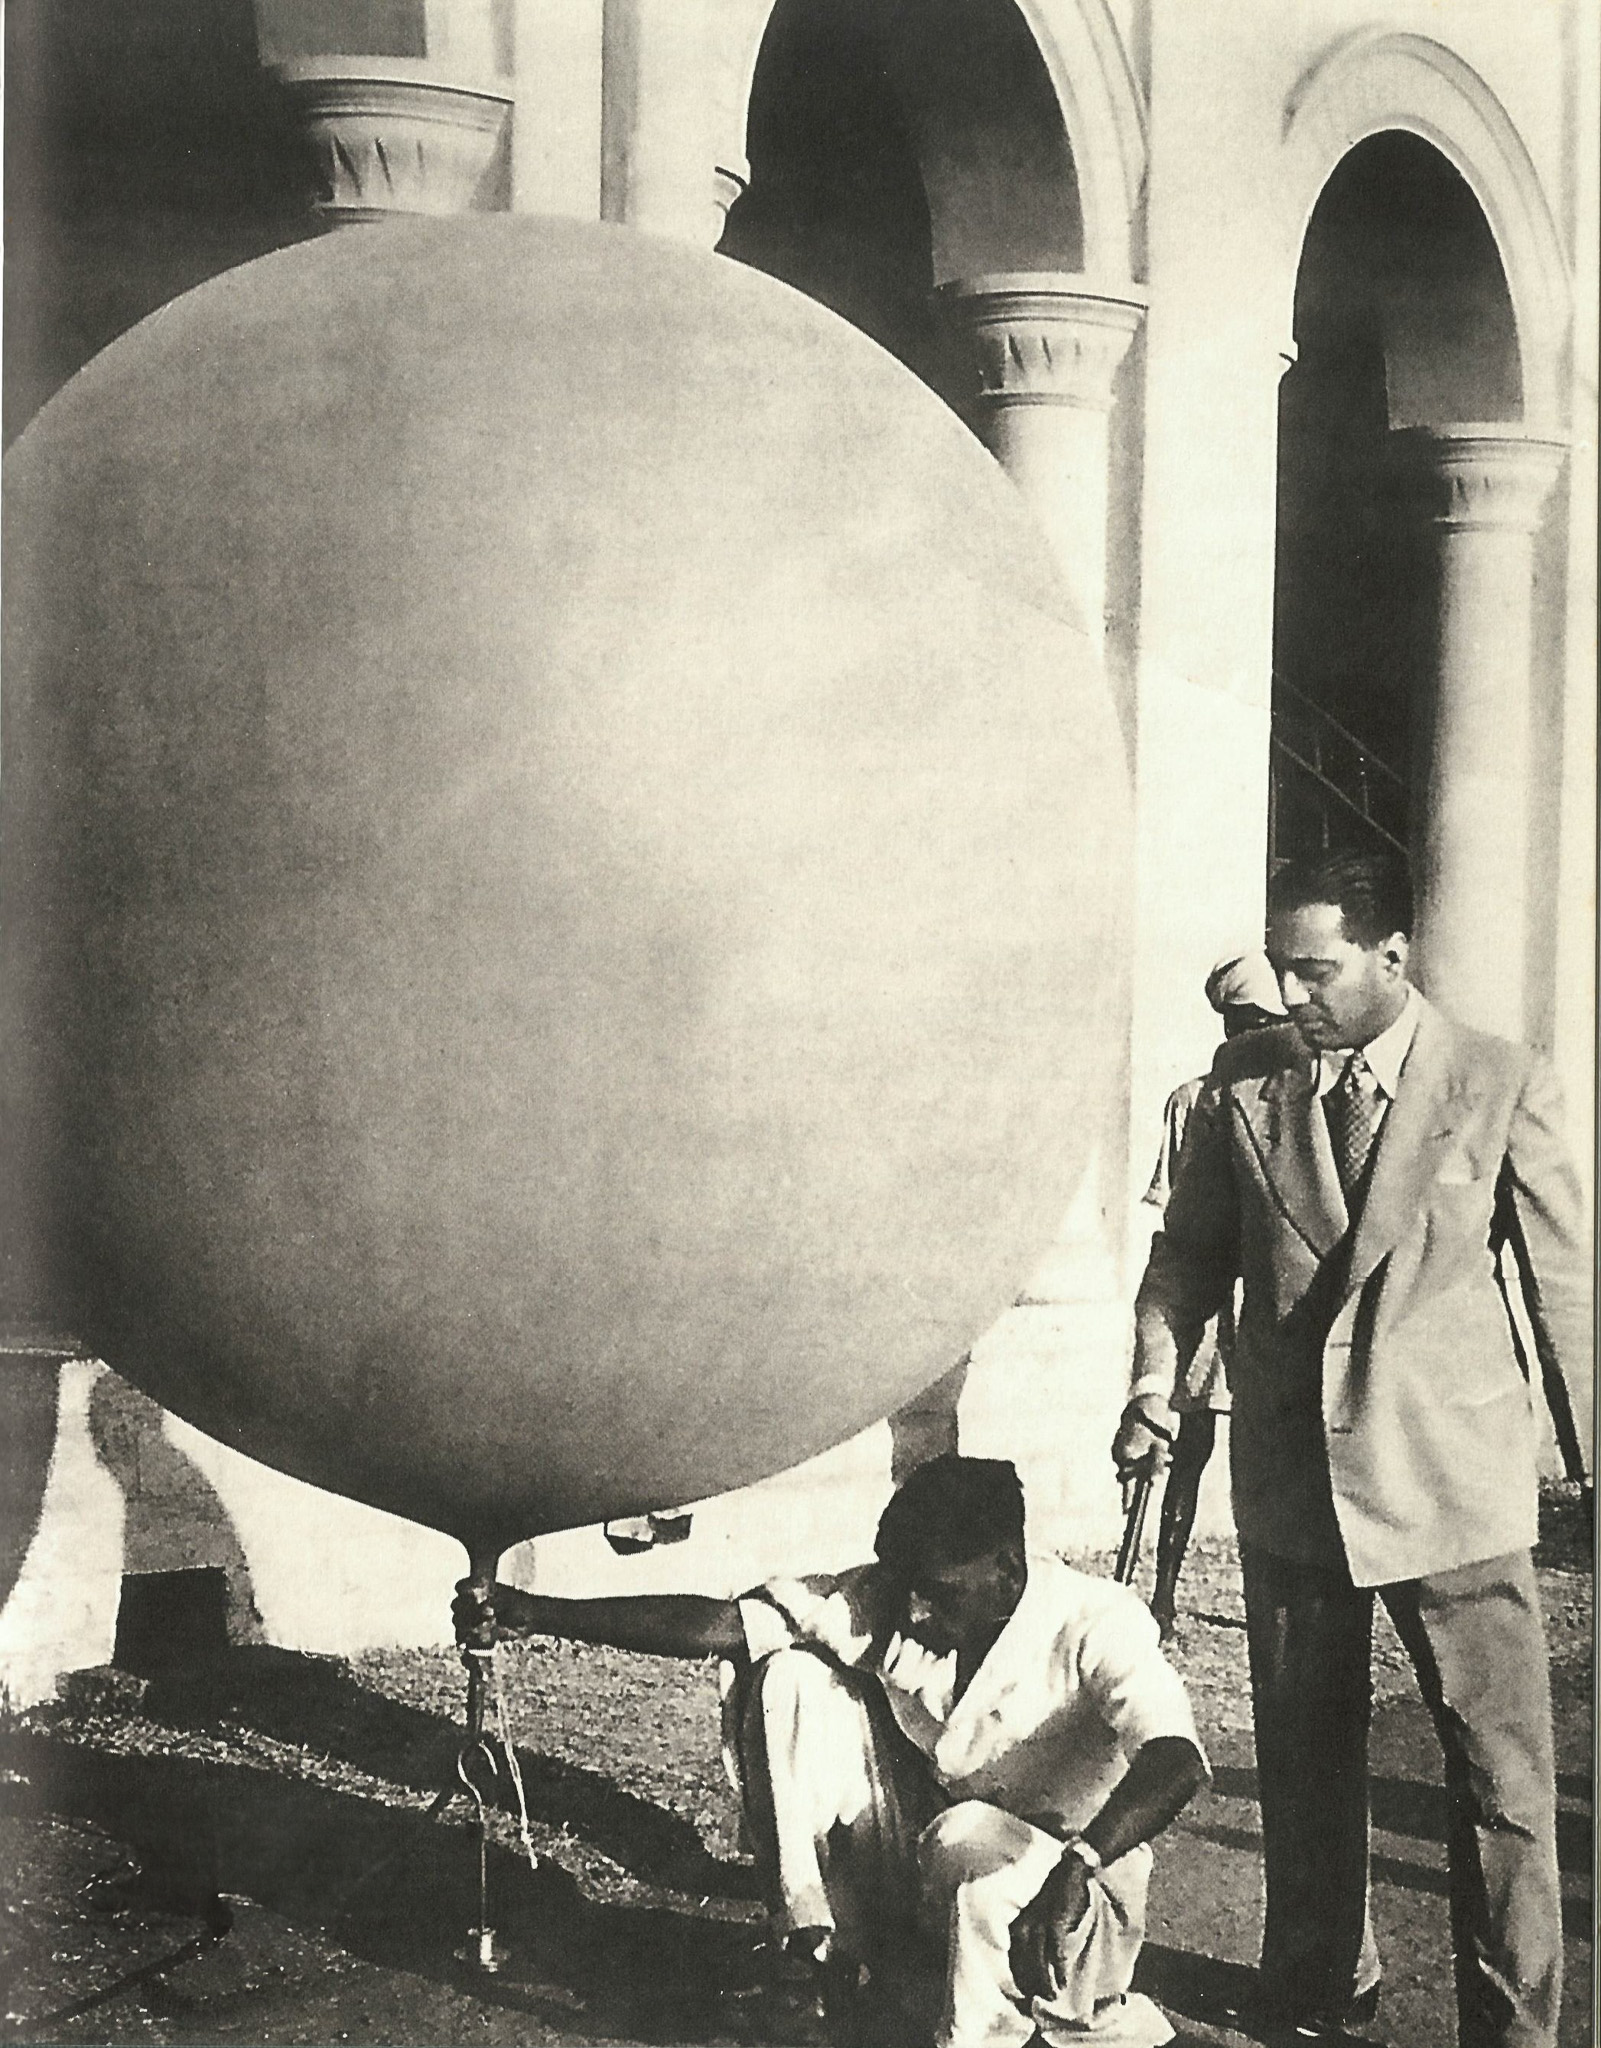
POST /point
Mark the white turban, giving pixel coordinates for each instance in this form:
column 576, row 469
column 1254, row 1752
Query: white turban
column 1244, row 980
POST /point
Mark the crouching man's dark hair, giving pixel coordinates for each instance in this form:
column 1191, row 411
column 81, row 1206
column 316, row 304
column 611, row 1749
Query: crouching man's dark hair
column 950, row 1511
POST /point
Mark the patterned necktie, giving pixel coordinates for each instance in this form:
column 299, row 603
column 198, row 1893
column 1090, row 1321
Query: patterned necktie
column 1353, row 1108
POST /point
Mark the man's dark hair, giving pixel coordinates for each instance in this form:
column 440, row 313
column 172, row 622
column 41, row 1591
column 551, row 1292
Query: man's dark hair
column 1373, row 890
column 950, row 1511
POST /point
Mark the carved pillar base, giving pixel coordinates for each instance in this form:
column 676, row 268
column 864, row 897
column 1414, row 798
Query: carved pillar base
column 387, row 137
column 1478, row 492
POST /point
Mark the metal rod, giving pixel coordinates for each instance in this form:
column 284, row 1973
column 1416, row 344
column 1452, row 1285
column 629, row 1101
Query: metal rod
column 1286, row 752
column 1319, row 716
column 1128, row 1558
column 477, row 1653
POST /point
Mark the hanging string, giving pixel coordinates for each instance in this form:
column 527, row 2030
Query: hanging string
column 507, row 1745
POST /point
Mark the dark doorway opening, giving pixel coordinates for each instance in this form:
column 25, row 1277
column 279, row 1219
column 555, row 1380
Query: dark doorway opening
column 836, row 205
column 1402, row 319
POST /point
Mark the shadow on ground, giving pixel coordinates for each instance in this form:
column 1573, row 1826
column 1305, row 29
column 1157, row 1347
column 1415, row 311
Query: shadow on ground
column 1403, row 1806
column 387, row 1883
column 314, row 1704
column 284, row 1796
column 395, row 1889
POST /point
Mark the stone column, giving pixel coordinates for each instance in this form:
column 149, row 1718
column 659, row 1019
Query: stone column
column 1037, row 354
column 730, row 181
column 388, row 135
column 556, row 126
column 1041, row 353
column 661, row 167
column 1478, row 492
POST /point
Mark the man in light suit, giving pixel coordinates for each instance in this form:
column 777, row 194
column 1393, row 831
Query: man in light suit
column 1365, row 1169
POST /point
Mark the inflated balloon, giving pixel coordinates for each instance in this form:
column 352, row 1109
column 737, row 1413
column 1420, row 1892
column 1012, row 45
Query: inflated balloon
column 560, row 848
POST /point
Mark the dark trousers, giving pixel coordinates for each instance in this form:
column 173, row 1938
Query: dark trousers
column 1180, row 1499
column 1476, row 1643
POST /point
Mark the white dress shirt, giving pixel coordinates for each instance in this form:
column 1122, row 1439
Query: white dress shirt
column 1385, row 1055
column 1072, row 1688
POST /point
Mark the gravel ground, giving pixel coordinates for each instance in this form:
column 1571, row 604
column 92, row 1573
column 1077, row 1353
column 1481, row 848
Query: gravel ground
column 294, row 1788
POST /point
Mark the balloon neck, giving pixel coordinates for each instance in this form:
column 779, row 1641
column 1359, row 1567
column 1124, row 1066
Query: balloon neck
column 482, row 1565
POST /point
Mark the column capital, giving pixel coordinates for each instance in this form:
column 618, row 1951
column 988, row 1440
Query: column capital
column 730, row 182
column 1494, row 477
column 1041, row 337
column 389, row 136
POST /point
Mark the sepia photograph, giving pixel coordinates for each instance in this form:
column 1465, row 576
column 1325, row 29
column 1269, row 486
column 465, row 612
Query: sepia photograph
column 798, row 1028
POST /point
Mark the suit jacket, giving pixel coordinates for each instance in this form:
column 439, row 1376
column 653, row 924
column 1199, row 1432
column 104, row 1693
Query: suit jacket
column 1380, row 1410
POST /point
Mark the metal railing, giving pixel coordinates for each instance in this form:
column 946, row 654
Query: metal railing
column 1333, row 774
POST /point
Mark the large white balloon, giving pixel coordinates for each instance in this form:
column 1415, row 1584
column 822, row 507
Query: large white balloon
column 562, row 855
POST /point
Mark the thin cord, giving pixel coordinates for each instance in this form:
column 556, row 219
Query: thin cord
column 512, row 1765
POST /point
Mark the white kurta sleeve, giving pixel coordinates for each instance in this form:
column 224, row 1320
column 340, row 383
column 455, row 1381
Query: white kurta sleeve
column 835, row 1613
column 1175, row 1118
column 1134, row 1688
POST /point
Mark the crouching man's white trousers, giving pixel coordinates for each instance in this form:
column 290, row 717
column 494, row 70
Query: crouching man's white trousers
column 852, row 1833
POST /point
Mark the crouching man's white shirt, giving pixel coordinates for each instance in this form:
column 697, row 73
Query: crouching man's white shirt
column 1073, row 1687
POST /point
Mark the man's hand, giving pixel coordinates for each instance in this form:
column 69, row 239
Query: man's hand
column 473, row 1611
column 1041, row 1933
column 1144, row 1437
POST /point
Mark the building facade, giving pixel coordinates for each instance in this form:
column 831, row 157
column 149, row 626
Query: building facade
column 1283, row 321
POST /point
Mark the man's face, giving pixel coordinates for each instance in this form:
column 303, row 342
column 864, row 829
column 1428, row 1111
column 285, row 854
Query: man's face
column 963, row 1607
column 1338, row 994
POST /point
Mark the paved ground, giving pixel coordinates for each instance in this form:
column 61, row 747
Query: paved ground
column 293, row 1889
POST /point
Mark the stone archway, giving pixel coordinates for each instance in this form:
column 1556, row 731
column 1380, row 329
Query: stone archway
column 1097, row 109
column 1376, row 81
column 1420, row 439
column 991, row 136
column 990, row 152
column 1104, row 112
column 965, row 180
column 1402, row 321
column 837, row 204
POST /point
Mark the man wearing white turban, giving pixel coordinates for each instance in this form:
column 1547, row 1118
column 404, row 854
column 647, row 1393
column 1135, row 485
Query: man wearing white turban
column 1244, row 991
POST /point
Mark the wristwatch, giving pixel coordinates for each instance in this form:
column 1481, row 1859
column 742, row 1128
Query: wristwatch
column 1086, row 1853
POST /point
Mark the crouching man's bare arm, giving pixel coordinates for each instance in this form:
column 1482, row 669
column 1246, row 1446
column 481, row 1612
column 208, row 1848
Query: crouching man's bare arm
column 1164, row 1777
column 660, row 1624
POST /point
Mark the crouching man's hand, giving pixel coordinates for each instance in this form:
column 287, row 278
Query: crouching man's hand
column 1164, row 1774
column 473, row 1611
column 1042, row 1945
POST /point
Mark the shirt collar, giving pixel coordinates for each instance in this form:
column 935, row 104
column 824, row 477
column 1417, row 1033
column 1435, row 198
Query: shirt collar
column 932, row 1679
column 1385, row 1055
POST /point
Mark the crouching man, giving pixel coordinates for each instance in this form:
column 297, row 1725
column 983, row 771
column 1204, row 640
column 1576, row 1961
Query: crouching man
column 957, row 1741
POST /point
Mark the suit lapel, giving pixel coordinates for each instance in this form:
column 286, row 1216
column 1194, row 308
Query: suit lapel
column 1428, row 1108
column 1292, row 1141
